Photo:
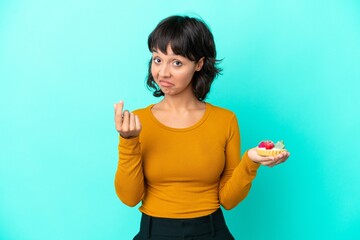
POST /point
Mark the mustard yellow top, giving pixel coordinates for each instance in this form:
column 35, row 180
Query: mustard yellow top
column 187, row 172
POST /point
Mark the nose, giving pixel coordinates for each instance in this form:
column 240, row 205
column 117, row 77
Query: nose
column 164, row 70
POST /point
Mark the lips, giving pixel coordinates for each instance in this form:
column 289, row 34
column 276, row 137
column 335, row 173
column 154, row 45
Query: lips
column 164, row 83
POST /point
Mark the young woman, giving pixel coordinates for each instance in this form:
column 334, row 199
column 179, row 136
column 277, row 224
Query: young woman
column 181, row 157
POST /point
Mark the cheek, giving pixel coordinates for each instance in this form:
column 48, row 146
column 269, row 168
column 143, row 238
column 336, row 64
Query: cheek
column 153, row 71
column 188, row 75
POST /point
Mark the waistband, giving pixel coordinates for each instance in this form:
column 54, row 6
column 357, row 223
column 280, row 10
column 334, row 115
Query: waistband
column 186, row 227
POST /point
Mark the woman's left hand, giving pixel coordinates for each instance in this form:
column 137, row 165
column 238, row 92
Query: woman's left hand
column 270, row 161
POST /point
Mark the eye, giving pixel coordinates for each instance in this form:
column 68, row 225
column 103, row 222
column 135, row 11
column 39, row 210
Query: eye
column 156, row 60
column 177, row 63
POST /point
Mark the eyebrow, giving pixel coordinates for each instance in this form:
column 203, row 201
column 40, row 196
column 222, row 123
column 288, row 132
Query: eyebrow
column 173, row 54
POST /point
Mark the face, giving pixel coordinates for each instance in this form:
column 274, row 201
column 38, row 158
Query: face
column 173, row 73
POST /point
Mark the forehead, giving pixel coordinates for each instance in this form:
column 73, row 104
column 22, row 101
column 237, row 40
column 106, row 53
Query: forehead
column 169, row 51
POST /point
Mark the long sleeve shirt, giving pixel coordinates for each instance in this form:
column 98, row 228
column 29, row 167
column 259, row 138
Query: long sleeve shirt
column 187, row 172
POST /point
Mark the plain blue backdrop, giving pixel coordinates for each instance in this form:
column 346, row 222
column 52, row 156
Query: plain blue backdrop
column 291, row 71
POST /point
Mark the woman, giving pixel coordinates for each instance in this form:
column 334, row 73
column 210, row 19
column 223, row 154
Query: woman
column 180, row 157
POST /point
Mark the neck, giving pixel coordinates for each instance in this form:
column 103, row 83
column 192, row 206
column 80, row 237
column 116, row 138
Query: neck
column 174, row 103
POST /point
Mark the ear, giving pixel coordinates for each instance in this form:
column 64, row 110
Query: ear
column 199, row 64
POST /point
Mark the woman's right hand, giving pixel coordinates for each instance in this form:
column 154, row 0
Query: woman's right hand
column 126, row 123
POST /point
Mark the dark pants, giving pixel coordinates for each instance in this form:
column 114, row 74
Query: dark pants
column 211, row 227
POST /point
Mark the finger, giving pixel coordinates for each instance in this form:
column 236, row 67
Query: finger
column 267, row 161
column 272, row 161
column 118, row 114
column 119, row 106
column 275, row 161
column 284, row 155
column 281, row 157
column 126, row 119
column 285, row 158
column 278, row 162
column 137, row 123
column 131, row 121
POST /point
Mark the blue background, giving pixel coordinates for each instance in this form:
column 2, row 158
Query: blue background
column 291, row 71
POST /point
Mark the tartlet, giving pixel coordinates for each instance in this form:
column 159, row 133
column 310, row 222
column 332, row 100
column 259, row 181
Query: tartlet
column 267, row 148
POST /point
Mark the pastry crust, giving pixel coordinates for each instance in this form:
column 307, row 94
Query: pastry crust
column 271, row 152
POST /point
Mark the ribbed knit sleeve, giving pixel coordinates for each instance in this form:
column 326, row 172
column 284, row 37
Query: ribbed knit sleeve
column 237, row 176
column 129, row 177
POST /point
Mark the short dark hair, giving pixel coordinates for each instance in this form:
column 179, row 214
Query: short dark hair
column 191, row 38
